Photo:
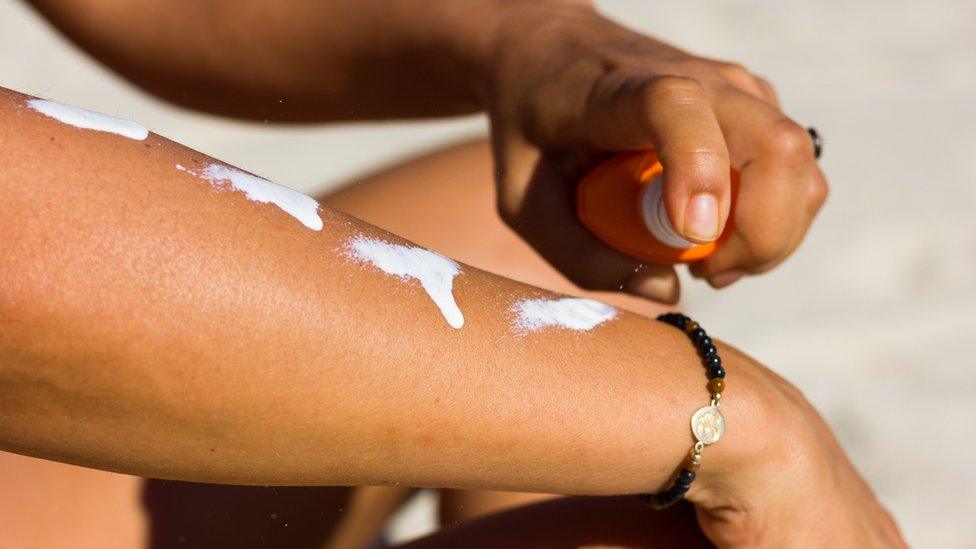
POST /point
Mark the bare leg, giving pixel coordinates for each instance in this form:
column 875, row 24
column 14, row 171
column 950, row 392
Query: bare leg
column 365, row 514
column 576, row 522
column 457, row 506
column 45, row 504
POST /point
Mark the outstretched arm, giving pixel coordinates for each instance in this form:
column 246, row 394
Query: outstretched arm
column 167, row 315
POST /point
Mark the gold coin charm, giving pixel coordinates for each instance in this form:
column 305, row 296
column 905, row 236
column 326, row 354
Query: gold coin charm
column 708, row 424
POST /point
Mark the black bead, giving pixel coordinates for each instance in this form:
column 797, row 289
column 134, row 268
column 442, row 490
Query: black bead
column 708, row 350
column 713, row 364
column 669, row 318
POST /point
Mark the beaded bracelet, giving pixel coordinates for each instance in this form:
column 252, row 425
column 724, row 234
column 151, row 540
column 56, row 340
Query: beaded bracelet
column 707, row 423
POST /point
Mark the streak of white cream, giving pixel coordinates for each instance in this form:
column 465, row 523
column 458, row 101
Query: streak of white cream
column 183, row 168
column 89, row 120
column 302, row 207
column 434, row 272
column 569, row 312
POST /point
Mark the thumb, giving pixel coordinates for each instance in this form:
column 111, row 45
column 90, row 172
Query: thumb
column 674, row 116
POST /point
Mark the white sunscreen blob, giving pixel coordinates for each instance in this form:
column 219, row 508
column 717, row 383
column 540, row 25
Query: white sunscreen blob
column 302, row 207
column 573, row 313
column 434, row 272
column 89, row 120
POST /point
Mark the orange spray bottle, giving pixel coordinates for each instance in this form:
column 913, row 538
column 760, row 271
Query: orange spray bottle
column 622, row 203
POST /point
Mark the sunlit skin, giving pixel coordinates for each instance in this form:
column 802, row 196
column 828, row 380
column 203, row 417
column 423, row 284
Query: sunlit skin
column 239, row 285
column 580, row 88
column 158, row 326
column 105, row 508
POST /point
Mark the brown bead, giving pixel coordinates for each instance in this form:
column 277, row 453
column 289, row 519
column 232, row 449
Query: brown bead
column 691, row 326
column 716, row 386
column 690, row 462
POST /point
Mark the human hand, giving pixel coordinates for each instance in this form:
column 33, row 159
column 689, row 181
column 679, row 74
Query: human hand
column 567, row 86
column 779, row 478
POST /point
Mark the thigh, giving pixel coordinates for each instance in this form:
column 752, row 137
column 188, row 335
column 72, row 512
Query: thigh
column 576, row 522
column 46, row 504
column 461, row 505
column 189, row 515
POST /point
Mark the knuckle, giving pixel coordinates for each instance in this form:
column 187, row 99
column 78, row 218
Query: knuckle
column 674, row 90
column 787, row 141
column 762, row 81
column 736, row 73
column 819, row 191
column 764, row 84
column 763, row 246
column 697, row 67
column 768, row 91
column 739, row 78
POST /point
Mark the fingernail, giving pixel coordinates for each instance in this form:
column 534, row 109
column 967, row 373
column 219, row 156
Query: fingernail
column 701, row 218
column 727, row 278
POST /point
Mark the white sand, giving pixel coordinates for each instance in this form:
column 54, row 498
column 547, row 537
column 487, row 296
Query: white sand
column 872, row 319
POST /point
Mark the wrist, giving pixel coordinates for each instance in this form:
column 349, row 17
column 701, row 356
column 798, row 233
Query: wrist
column 484, row 35
column 764, row 427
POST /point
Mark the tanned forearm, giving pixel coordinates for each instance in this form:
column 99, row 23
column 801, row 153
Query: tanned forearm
column 155, row 323
column 293, row 61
